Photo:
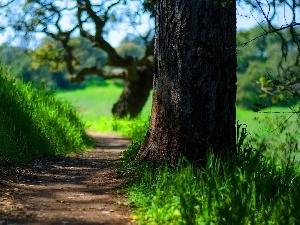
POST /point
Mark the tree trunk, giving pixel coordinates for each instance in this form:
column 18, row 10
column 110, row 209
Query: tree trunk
column 194, row 89
column 135, row 94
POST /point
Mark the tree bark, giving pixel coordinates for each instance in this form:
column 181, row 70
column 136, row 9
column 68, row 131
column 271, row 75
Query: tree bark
column 135, row 94
column 194, row 88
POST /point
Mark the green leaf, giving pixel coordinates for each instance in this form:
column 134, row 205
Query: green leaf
column 263, row 80
column 264, row 95
column 275, row 99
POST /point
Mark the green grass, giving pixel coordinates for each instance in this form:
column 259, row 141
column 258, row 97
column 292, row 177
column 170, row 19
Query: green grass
column 249, row 189
column 260, row 186
column 256, row 121
column 95, row 104
column 218, row 194
column 33, row 123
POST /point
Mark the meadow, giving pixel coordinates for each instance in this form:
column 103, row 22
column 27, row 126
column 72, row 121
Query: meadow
column 260, row 186
column 95, row 104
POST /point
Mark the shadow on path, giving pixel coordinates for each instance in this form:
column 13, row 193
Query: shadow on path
column 81, row 189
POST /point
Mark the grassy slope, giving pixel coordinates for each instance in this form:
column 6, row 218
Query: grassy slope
column 33, row 123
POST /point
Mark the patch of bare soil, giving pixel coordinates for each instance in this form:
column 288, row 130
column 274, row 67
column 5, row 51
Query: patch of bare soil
column 67, row 190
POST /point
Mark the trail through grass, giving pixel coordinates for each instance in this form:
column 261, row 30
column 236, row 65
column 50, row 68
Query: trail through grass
column 260, row 186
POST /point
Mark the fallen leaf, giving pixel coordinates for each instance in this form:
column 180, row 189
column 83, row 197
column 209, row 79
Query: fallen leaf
column 132, row 217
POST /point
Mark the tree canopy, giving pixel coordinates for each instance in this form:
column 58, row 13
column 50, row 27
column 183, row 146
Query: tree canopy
column 262, row 59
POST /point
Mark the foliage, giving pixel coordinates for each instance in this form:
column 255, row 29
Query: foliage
column 248, row 189
column 262, row 58
column 130, row 49
column 20, row 63
column 48, row 54
column 279, row 139
column 23, row 66
column 33, row 123
column 52, row 54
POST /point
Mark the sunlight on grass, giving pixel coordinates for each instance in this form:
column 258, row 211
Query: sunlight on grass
column 95, row 104
column 34, row 123
column 249, row 189
column 260, row 186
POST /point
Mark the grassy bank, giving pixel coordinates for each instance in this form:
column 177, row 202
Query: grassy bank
column 34, row 123
column 248, row 190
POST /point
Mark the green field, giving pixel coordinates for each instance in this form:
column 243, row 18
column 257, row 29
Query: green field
column 220, row 193
column 95, row 103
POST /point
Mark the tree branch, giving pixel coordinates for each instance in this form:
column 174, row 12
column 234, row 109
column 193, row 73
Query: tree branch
column 98, row 41
column 274, row 30
column 112, row 74
column 6, row 4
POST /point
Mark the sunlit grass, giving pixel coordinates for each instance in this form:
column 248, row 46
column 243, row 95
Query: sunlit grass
column 95, row 104
column 252, row 188
column 260, row 186
column 221, row 193
column 33, row 123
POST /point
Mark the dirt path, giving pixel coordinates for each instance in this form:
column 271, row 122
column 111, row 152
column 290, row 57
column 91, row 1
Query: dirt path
column 71, row 190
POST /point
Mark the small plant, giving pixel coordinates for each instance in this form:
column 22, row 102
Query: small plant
column 133, row 128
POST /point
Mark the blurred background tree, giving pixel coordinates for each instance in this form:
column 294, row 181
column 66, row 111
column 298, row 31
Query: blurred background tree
column 262, row 59
column 77, row 36
column 69, row 41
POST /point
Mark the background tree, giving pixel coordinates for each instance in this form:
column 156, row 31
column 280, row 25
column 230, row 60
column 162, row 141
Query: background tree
column 261, row 59
column 194, row 92
column 30, row 67
column 91, row 20
column 279, row 20
column 21, row 67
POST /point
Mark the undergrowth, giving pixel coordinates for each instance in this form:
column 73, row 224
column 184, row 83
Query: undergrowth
column 248, row 189
column 33, row 123
column 134, row 129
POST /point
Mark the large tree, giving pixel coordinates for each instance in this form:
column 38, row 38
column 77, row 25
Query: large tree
column 91, row 20
column 194, row 89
